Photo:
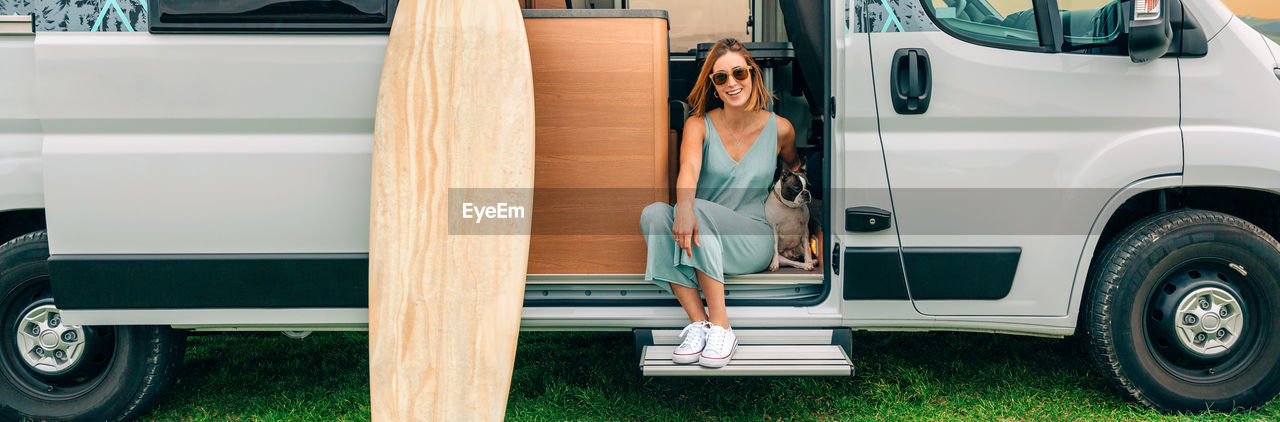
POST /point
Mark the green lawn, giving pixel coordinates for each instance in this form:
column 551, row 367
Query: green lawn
column 1275, row 38
column 591, row 376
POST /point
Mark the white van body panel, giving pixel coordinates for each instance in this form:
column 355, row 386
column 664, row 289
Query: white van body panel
column 207, row 143
column 1275, row 50
column 1212, row 15
column 20, row 165
column 1231, row 112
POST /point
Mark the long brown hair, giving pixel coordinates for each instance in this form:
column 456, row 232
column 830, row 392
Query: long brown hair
column 701, row 99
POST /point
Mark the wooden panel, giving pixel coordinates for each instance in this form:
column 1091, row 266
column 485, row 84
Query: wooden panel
column 603, row 149
column 587, row 254
column 662, row 161
column 548, row 4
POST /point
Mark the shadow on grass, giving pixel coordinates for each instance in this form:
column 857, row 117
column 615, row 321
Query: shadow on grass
column 592, row 376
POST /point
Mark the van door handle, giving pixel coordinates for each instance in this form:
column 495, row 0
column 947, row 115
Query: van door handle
column 911, row 81
column 866, row 219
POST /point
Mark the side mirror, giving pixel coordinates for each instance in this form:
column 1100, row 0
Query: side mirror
column 1150, row 31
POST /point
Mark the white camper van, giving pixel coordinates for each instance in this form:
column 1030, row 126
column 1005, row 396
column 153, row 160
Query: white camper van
column 1102, row 168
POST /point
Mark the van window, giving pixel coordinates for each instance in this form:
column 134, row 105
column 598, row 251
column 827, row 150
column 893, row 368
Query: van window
column 694, row 22
column 891, row 16
column 999, row 23
column 1092, row 26
column 272, row 15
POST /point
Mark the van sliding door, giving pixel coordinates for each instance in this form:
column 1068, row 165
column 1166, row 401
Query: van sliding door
column 868, row 274
column 1002, row 148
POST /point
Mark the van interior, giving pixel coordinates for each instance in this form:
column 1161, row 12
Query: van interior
column 601, row 158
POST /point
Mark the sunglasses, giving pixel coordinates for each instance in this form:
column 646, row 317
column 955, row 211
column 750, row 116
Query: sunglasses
column 739, row 73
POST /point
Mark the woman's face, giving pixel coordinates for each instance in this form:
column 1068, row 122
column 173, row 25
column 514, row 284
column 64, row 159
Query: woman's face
column 734, row 92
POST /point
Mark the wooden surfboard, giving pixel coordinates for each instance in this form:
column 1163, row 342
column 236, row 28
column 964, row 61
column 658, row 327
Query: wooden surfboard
column 454, row 124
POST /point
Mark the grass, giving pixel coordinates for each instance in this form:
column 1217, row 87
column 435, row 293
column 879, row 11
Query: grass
column 591, row 376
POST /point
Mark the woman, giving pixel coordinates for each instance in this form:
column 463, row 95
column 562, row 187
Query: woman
column 717, row 226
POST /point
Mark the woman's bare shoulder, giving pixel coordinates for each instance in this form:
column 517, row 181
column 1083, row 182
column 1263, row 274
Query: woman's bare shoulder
column 695, row 122
column 784, row 127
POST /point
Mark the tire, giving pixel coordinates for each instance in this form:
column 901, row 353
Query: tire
column 1221, row 271
column 117, row 374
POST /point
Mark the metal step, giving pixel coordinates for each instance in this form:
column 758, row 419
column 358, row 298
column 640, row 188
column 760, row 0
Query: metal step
column 784, row 284
column 760, row 352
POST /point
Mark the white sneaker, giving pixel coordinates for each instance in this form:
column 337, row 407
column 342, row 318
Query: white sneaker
column 695, row 337
column 721, row 344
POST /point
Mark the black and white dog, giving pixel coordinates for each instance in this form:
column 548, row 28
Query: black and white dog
column 787, row 210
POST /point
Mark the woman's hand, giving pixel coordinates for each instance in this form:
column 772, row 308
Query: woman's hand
column 685, row 228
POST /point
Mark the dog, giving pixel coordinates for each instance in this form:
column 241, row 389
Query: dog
column 787, row 211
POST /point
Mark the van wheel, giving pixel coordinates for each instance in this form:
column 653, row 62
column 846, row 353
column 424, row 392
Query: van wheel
column 55, row 371
column 1183, row 313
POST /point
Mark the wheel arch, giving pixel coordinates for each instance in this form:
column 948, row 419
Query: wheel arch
column 1155, row 195
column 17, row 222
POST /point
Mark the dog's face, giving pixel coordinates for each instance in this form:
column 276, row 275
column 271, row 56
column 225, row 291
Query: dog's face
column 793, row 186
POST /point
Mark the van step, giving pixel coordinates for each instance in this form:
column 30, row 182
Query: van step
column 760, row 352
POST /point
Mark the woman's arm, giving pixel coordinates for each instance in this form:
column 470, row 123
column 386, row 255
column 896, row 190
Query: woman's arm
column 787, row 144
column 685, row 227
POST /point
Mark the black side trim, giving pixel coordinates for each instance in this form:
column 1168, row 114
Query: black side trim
column 960, row 273
column 873, row 274
column 213, row 281
column 210, row 281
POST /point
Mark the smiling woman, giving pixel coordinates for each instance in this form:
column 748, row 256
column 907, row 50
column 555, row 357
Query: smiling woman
column 717, row 226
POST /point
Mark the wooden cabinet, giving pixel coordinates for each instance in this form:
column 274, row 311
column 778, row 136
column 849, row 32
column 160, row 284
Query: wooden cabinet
column 543, row 4
column 603, row 144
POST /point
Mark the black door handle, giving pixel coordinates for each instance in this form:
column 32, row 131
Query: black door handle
column 913, row 75
column 866, row 219
column 911, row 81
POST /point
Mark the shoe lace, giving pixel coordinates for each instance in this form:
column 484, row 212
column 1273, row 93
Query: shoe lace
column 716, row 338
column 692, row 333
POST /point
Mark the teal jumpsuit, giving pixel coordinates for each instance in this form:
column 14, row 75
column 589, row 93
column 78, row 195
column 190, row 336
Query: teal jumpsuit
column 734, row 236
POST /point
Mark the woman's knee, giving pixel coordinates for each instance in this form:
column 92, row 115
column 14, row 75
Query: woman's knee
column 656, row 215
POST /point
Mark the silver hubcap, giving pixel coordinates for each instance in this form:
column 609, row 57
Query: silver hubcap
column 1209, row 321
column 47, row 345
